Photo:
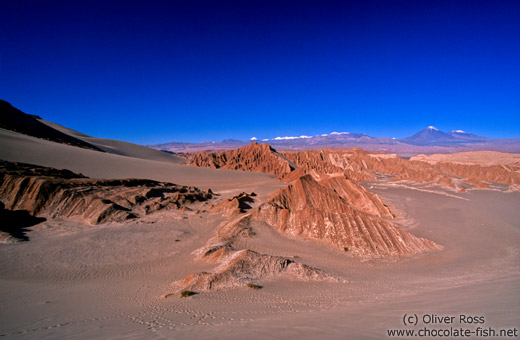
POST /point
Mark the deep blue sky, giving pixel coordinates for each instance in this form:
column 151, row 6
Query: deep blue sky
column 150, row 72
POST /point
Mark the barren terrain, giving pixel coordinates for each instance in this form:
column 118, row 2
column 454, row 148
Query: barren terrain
column 341, row 245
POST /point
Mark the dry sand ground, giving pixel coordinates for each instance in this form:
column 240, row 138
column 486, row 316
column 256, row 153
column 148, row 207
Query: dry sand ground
column 74, row 281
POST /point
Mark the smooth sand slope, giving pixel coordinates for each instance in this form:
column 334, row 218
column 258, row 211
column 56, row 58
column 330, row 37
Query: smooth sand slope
column 118, row 147
column 16, row 147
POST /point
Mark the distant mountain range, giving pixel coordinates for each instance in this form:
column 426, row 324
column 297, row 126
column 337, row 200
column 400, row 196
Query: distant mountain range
column 428, row 140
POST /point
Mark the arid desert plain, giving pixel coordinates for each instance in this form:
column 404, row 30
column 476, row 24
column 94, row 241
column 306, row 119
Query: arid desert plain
column 101, row 240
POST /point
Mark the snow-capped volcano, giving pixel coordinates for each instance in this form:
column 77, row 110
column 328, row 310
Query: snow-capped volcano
column 430, row 135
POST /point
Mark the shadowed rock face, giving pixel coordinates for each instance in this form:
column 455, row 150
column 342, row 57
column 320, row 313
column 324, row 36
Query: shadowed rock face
column 238, row 268
column 306, row 209
column 60, row 193
column 14, row 224
column 254, row 157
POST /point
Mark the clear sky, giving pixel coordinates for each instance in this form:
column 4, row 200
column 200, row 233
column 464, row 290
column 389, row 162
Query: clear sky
column 159, row 71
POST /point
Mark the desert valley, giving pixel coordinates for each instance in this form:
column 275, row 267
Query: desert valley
column 106, row 239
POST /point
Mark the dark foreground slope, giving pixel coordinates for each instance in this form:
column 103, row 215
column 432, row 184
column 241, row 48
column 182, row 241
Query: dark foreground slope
column 15, row 120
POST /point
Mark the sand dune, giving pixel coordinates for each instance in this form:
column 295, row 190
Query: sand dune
column 15, row 120
column 16, row 147
column 119, row 147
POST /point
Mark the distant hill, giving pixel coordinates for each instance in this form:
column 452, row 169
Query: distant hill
column 433, row 136
column 430, row 135
column 462, row 135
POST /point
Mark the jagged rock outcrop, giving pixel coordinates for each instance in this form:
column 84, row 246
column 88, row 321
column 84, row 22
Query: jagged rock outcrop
column 327, row 162
column 351, row 191
column 484, row 158
column 238, row 268
column 357, row 196
column 254, row 157
column 238, row 227
column 306, row 209
column 443, row 170
column 56, row 193
column 363, row 165
column 234, row 205
column 505, row 174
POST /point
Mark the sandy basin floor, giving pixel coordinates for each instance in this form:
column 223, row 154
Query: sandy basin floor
column 73, row 281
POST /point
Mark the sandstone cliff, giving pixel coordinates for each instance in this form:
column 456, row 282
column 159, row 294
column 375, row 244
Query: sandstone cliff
column 443, row 170
column 328, row 162
column 306, row 209
column 254, row 157
column 357, row 196
column 55, row 193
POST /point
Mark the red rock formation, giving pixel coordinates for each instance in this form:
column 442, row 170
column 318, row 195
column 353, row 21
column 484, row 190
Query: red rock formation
column 305, row 209
column 445, row 171
column 357, row 196
column 254, row 157
column 213, row 252
column 495, row 173
column 55, row 193
column 238, row 268
column 351, row 191
column 240, row 226
column 234, row 205
column 477, row 184
column 327, row 162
